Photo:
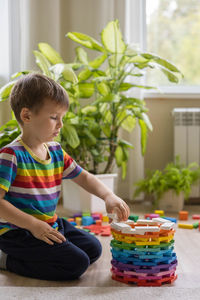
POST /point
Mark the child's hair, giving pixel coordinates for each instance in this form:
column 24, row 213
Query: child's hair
column 31, row 90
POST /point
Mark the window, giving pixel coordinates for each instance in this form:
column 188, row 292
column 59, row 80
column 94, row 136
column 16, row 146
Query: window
column 173, row 32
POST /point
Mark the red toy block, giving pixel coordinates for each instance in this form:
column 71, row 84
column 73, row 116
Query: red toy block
column 98, row 222
column 196, row 217
column 183, row 215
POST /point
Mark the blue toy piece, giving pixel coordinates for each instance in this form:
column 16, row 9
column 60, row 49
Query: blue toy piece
column 87, row 220
column 73, row 223
column 170, row 219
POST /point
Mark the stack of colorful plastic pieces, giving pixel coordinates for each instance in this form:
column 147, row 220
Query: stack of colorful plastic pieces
column 143, row 252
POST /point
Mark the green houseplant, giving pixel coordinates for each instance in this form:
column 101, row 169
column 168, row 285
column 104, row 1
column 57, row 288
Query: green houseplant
column 91, row 131
column 175, row 177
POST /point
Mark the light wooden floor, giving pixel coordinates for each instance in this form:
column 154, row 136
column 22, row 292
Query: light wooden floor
column 187, row 248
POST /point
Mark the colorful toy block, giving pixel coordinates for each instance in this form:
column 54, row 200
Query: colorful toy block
column 159, row 212
column 170, row 219
column 78, row 221
column 196, row 225
column 143, row 254
column 105, row 219
column 151, row 216
column 87, row 220
column 70, row 220
column 103, row 230
column 196, row 217
column 98, row 222
column 133, row 218
column 183, row 215
column 185, row 226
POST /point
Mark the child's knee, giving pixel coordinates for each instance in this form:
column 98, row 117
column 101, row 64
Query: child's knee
column 77, row 266
column 96, row 250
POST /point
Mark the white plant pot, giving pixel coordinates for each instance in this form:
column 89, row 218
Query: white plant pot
column 76, row 199
column 171, row 202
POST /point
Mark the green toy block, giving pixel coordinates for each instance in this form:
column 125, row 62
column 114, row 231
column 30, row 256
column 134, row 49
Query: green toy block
column 196, row 225
column 86, row 214
column 133, row 218
column 87, row 230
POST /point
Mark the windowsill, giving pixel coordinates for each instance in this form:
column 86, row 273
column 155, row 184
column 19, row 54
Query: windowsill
column 179, row 92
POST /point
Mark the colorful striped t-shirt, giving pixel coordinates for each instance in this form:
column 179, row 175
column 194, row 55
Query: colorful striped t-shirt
column 31, row 184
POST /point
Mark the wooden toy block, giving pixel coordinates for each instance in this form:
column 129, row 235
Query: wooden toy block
column 160, row 220
column 196, row 217
column 170, row 219
column 159, row 212
column 143, row 229
column 183, row 215
column 133, row 218
column 105, row 219
column 87, row 220
column 119, row 226
column 196, row 225
column 185, row 226
column 98, row 214
column 78, row 221
column 86, row 214
column 70, row 219
column 147, row 222
column 167, row 226
column 98, row 222
column 130, row 222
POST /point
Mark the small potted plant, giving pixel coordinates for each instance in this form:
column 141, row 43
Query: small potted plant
column 171, row 186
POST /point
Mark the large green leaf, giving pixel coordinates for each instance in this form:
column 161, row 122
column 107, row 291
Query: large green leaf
column 119, row 155
column 147, row 121
column 97, row 62
column 88, row 109
column 90, row 136
column 129, row 123
column 5, row 90
column 50, row 53
column 103, row 88
column 86, row 90
column 85, row 40
column 71, row 136
column 143, row 128
column 43, row 63
column 64, row 70
column 138, row 59
column 82, row 55
column 84, row 74
column 111, row 38
column 163, row 62
column 18, row 74
column 171, row 77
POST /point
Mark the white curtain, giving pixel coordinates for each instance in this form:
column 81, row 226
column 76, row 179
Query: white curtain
column 34, row 21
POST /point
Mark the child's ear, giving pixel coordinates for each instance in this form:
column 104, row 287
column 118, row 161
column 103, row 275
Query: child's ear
column 25, row 115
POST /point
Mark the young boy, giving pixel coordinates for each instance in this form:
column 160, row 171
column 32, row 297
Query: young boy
column 34, row 242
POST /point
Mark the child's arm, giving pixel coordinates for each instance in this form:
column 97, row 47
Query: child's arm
column 40, row 229
column 94, row 186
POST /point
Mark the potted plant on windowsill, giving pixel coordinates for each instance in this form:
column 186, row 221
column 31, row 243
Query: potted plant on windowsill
column 171, row 186
column 91, row 131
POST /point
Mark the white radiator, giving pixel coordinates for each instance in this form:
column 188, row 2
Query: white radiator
column 187, row 138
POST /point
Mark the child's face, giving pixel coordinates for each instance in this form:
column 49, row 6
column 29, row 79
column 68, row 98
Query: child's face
column 46, row 124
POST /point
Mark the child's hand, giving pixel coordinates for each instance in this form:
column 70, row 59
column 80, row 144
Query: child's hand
column 43, row 231
column 117, row 205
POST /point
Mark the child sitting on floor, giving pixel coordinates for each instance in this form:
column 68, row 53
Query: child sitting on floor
column 34, row 241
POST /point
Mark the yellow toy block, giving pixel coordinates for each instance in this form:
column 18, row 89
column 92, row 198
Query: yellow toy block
column 159, row 212
column 186, row 226
column 78, row 221
column 105, row 219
